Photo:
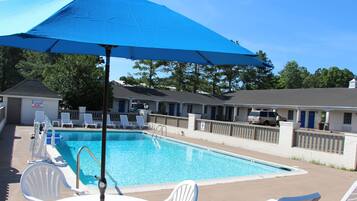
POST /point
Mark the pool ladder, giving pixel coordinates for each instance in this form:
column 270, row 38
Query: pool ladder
column 98, row 163
column 161, row 129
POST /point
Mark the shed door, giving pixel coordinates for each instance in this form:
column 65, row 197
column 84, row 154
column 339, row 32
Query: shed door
column 14, row 110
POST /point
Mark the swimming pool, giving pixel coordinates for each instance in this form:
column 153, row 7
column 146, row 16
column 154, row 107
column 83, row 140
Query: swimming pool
column 134, row 159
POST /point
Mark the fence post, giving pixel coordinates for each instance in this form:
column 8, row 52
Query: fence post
column 286, row 134
column 82, row 111
column 231, row 130
column 192, row 121
column 350, row 150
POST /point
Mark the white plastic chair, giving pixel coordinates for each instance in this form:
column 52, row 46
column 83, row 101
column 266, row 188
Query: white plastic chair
column 42, row 181
column 184, row 191
column 124, row 122
column 39, row 152
column 351, row 194
column 39, row 117
column 310, row 197
column 109, row 122
column 88, row 120
column 66, row 119
column 140, row 122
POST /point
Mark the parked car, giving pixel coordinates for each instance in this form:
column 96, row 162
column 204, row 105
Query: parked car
column 265, row 118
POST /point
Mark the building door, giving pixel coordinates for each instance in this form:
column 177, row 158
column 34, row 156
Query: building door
column 14, row 110
column 178, row 109
column 302, row 119
column 213, row 112
column 229, row 114
column 311, row 123
column 121, row 106
column 172, row 109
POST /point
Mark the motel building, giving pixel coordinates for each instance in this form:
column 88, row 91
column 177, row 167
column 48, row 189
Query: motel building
column 334, row 108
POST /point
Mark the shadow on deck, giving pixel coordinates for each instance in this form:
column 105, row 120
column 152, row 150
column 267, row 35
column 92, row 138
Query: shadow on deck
column 8, row 173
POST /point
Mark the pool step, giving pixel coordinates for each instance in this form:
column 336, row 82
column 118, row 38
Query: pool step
column 57, row 138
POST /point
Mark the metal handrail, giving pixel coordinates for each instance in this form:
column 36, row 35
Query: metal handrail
column 161, row 128
column 98, row 163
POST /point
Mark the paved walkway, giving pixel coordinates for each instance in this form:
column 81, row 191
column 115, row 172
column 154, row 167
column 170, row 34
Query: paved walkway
column 331, row 183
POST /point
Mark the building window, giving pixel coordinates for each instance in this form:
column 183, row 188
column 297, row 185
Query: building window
column 237, row 112
column 291, row 115
column 189, row 108
column 347, row 118
column 205, row 110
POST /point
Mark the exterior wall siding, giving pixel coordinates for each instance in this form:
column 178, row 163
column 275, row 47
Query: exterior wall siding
column 50, row 107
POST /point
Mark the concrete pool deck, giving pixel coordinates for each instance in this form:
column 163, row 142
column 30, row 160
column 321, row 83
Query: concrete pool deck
column 331, row 183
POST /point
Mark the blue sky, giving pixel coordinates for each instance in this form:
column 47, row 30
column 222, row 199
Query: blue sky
column 316, row 33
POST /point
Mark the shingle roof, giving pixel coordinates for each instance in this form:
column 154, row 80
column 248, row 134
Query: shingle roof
column 33, row 88
column 316, row 97
column 142, row 93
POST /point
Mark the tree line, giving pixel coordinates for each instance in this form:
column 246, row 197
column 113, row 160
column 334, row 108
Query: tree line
column 79, row 79
column 217, row 80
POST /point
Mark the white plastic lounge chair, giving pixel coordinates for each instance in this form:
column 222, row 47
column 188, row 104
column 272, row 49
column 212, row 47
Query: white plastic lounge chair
column 43, row 181
column 124, row 122
column 109, row 122
column 66, row 119
column 39, row 117
column 184, row 191
column 88, row 121
column 140, row 122
column 310, row 197
column 351, row 194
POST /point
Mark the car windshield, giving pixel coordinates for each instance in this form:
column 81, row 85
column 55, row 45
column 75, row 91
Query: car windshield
column 254, row 114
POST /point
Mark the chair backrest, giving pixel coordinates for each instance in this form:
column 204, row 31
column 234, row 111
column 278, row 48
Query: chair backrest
column 351, row 194
column 88, row 118
column 39, row 116
column 184, row 191
column 39, row 147
column 124, row 120
column 42, row 181
column 140, row 121
column 65, row 117
column 310, row 197
column 109, row 121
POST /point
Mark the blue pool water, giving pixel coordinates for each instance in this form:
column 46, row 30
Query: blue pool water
column 133, row 159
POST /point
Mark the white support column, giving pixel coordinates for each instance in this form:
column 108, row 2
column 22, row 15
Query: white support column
column 298, row 116
column 130, row 103
column 157, row 106
column 235, row 110
column 327, row 122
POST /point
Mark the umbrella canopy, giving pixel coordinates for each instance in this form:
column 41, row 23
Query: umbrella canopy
column 133, row 29
column 139, row 28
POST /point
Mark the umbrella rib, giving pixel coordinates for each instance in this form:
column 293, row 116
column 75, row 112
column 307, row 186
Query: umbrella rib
column 52, row 46
column 205, row 58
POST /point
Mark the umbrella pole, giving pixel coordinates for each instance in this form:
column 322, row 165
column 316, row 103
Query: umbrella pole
column 102, row 184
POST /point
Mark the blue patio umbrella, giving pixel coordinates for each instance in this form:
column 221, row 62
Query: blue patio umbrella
column 133, row 29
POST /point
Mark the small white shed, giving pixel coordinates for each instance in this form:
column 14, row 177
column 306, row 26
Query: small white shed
column 28, row 96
